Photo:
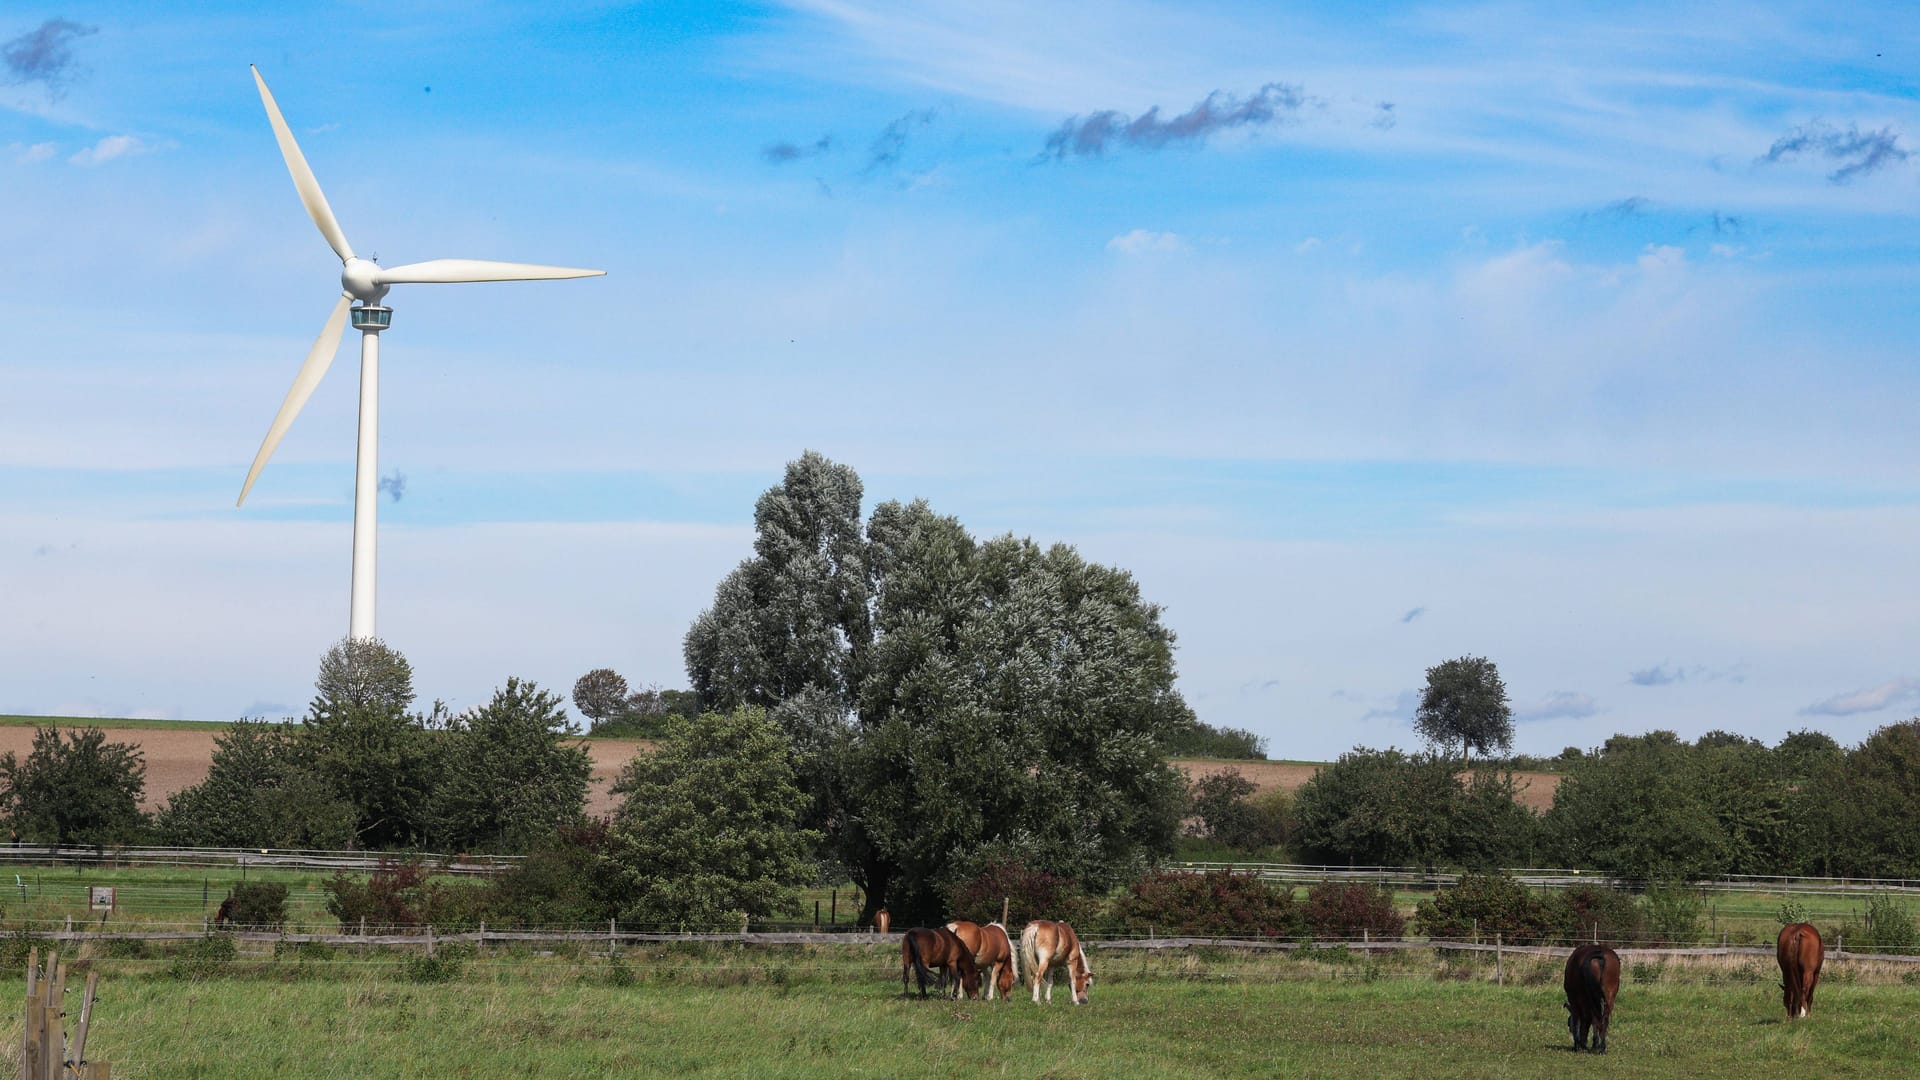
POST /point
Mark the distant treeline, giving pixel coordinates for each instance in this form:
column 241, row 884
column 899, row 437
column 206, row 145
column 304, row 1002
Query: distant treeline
column 1650, row 807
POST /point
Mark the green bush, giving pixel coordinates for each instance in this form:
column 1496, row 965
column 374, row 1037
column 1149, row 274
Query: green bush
column 1673, row 915
column 1889, row 924
column 1596, row 911
column 402, row 894
column 261, row 904
column 1484, row 905
column 1219, row 902
column 443, row 965
column 203, row 957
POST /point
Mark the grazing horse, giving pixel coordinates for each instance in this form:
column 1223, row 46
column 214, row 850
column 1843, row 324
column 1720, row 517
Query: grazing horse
column 1047, row 945
column 225, row 914
column 1592, row 978
column 922, row 948
column 1801, row 953
column 993, row 953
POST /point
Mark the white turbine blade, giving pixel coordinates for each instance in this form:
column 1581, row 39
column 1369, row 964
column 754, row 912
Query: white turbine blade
column 318, row 359
column 303, row 181
column 447, row 271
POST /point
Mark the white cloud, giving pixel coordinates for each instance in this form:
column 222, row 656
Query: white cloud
column 1145, row 241
column 1559, row 705
column 27, row 154
column 1304, row 246
column 109, row 148
column 1872, row 699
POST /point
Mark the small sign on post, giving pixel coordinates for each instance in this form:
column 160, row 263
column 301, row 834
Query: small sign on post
column 100, row 898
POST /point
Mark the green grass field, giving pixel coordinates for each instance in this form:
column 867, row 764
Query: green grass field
column 13, row 720
column 831, row 1012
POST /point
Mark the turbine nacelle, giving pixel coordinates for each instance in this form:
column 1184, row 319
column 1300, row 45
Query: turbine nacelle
column 361, row 279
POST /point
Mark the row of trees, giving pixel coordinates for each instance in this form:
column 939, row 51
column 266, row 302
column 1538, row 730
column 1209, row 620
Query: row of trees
column 1650, row 806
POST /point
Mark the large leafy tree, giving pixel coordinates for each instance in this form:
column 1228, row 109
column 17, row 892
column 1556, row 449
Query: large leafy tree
column 1868, row 804
column 260, row 791
column 946, row 697
column 84, row 790
column 708, row 829
column 600, row 694
column 1465, row 703
column 362, row 742
column 1386, row 808
column 1638, row 808
column 510, row 775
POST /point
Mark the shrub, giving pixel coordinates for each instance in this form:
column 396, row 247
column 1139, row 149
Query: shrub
column 1590, row 911
column 440, row 966
column 258, row 904
column 1673, row 914
column 1889, row 924
column 1792, row 911
column 1486, row 905
column 203, row 957
column 401, row 894
column 1340, row 910
column 1218, row 902
column 1029, row 894
column 566, row 881
column 1203, row 740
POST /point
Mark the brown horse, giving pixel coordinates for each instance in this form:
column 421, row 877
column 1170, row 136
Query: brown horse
column 1592, row 978
column 922, row 948
column 1801, row 952
column 992, row 952
column 1047, row 945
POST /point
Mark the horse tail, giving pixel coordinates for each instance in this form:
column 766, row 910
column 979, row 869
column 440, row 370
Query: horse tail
column 919, row 964
column 1030, row 948
column 1013, row 951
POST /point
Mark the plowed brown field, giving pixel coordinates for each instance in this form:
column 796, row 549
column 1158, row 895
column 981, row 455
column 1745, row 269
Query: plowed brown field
column 178, row 759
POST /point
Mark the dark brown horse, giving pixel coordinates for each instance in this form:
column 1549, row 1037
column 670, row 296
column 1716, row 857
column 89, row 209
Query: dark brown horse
column 1592, row 978
column 1801, row 952
column 922, row 948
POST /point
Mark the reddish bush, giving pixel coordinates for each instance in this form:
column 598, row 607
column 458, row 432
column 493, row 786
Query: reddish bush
column 1029, row 894
column 402, row 894
column 1340, row 910
column 1216, row 903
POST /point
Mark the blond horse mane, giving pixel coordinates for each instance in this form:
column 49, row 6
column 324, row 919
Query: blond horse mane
column 1013, row 950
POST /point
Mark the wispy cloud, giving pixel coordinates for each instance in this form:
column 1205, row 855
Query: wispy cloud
column 1412, row 615
column 395, row 486
column 110, row 148
column 1145, row 241
column 1872, row 699
column 1861, row 152
column 28, row 153
column 782, row 152
column 892, row 140
column 45, row 55
column 1097, row 132
column 1404, row 704
column 1559, row 705
column 1666, row 673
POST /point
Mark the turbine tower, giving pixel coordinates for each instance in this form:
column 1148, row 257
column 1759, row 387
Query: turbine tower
column 367, row 282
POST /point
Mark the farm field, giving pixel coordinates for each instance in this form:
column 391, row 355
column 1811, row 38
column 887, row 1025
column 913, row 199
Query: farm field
column 178, row 753
column 726, row 1012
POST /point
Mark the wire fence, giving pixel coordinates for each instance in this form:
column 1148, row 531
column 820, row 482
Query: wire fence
column 1547, row 878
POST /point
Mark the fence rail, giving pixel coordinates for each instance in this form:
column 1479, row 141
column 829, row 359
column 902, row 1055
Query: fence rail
column 243, row 858
column 614, row 937
column 1547, row 878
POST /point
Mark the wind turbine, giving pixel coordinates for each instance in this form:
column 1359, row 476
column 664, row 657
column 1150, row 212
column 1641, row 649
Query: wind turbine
column 367, row 282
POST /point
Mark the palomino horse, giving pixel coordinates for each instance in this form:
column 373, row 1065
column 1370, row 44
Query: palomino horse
column 1047, row 945
column 992, row 951
column 921, row 948
column 1592, row 978
column 1800, row 951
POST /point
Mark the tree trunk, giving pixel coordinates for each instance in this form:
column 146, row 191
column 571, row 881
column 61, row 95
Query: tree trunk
column 875, row 886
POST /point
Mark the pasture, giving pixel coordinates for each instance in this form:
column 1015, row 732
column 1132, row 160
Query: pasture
column 725, row 1011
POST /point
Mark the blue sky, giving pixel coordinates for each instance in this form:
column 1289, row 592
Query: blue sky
column 1579, row 337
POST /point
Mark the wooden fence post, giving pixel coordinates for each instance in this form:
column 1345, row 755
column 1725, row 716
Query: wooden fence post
column 613, row 937
column 1499, row 968
column 429, row 941
column 1003, row 910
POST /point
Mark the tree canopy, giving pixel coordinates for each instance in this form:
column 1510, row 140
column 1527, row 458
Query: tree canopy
column 84, row 790
column 1465, row 703
column 947, row 697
